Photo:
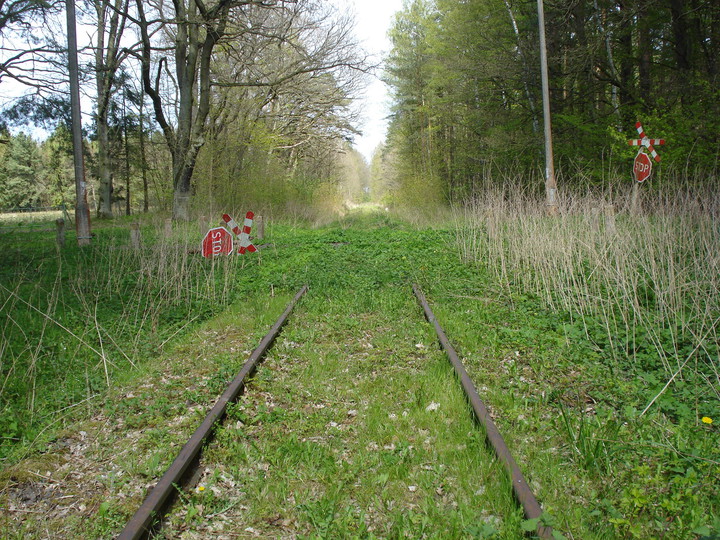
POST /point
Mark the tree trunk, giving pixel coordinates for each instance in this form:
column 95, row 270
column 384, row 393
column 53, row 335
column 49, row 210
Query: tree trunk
column 193, row 53
column 526, row 69
column 143, row 160
column 106, row 187
column 626, row 63
column 714, row 48
column 111, row 24
column 127, row 161
column 681, row 34
column 183, row 167
column 602, row 16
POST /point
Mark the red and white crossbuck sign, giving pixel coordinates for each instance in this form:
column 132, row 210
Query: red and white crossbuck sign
column 646, row 142
column 242, row 234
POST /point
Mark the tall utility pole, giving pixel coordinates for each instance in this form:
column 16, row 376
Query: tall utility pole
column 82, row 211
column 550, row 184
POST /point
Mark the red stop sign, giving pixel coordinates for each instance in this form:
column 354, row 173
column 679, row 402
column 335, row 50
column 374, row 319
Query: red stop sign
column 642, row 167
column 217, row 241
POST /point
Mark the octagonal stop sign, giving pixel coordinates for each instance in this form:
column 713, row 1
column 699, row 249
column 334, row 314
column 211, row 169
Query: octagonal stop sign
column 217, row 241
column 642, row 167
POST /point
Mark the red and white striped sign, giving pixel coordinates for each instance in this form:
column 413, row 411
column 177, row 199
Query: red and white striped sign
column 242, row 234
column 646, row 142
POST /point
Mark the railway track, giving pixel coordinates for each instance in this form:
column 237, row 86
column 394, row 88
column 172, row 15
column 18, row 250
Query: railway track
column 182, row 471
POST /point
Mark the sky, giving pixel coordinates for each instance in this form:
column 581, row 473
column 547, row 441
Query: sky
column 373, row 22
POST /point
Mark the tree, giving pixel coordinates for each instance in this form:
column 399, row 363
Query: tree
column 355, row 184
column 20, row 173
column 408, row 72
column 465, row 83
column 195, row 29
column 57, row 166
column 111, row 19
column 33, row 60
column 27, row 56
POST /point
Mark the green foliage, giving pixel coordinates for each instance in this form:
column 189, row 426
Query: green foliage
column 358, row 342
column 19, row 174
column 37, row 174
column 58, row 169
column 73, row 320
column 466, row 77
column 626, row 343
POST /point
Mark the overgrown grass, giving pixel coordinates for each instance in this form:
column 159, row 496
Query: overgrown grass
column 354, row 426
column 645, row 287
column 571, row 422
column 10, row 221
column 636, row 296
column 73, row 318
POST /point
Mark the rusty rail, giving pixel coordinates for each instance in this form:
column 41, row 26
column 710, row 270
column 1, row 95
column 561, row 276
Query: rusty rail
column 152, row 508
column 522, row 491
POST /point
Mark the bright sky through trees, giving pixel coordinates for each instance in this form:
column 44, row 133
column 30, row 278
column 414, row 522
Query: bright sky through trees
column 374, row 18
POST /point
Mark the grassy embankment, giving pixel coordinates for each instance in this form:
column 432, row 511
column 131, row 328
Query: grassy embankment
column 380, row 444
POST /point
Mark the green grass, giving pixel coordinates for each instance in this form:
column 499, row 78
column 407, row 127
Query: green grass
column 615, row 331
column 335, row 428
column 334, row 438
column 71, row 321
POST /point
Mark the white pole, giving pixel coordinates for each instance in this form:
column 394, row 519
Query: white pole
column 550, row 184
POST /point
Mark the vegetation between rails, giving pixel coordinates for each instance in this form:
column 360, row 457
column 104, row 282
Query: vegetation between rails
column 598, row 468
column 353, row 427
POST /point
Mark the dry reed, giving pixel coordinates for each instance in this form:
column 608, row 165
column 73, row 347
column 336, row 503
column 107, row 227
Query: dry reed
column 652, row 275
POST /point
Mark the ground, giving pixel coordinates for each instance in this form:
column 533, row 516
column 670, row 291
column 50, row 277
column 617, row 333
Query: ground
column 354, row 425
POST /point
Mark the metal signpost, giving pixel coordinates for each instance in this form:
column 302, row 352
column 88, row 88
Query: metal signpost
column 550, row 183
column 82, row 210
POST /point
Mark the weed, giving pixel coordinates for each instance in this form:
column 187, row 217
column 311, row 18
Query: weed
column 354, row 425
column 592, row 441
column 635, row 366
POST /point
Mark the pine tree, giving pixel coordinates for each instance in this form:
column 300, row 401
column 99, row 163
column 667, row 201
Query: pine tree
column 19, row 174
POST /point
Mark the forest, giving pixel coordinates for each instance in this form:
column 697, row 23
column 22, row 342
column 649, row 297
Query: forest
column 590, row 326
column 272, row 85
column 174, row 90
column 467, row 105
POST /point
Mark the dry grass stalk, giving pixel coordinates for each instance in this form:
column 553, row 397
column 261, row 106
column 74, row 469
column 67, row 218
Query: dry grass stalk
column 655, row 272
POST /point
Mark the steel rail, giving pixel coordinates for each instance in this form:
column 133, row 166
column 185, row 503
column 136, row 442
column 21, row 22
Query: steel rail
column 152, row 508
column 520, row 487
